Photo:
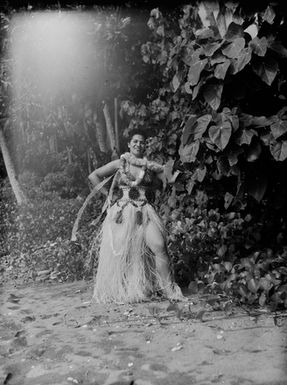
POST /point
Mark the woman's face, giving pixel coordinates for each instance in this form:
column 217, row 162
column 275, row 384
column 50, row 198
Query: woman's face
column 137, row 145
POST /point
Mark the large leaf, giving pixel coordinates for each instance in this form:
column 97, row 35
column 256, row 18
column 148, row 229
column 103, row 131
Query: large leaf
column 203, row 14
column 245, row 137
column 187, row 129
column 220, row 134
column 188, row 153
column 277, row 47
column 238, row 19
column 201, row 173
column 210, row 48
column 235, row 122
column 260, row 121
column 190, row 57
column 266, row 139
column 228, row 17
column 175, row 82
column 221, row 69
column 233, row 32
column 252, row 30
column 269, row 15
column 204, row 33
column 246, row 120
column 233, row 49
column 195, row 71
column 212, row 6
column 190, row 184
column 242, row 60
column 201, row 125
column 195, row 128
column 212, row 94
column 266, row 70
column 279, row 128
column 226, row 114
column 217, row 58
column 196, row 89
column 228, row 198
column 279, row 150
column 209, row 144
column 259, row 46
column 221, row 24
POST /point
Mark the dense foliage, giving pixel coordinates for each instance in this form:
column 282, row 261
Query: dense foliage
column 208, row 83
column 220, row 118
column 220, row 70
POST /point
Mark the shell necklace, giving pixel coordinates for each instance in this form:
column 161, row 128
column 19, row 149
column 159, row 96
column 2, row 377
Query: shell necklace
column 140, row 162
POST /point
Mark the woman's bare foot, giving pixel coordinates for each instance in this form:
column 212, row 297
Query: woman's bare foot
column 173, row 292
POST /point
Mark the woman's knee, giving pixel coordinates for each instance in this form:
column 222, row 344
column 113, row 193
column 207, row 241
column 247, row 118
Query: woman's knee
column 155, row 241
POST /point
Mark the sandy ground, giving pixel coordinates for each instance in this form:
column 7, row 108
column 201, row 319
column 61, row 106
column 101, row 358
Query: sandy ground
column 52, row 334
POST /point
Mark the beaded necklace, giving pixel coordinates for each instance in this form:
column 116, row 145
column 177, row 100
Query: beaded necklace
column 145, row 164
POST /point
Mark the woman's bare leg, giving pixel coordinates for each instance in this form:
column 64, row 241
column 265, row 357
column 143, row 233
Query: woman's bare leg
column 156, row 242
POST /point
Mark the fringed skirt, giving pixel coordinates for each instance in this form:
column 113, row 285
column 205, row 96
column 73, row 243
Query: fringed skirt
column 126, row 266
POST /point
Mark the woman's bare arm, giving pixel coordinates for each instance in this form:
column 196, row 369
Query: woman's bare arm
column 102, row 172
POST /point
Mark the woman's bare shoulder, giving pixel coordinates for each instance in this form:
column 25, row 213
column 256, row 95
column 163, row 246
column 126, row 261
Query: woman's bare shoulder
column 106, row 170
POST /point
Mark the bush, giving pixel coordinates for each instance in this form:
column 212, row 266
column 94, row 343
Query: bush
column 42, row 221
column 8, row 212
column 58, row 261
column 260, row 278
column 221, row 125
column 224, row 250
column 36, row 237
column 66, row 183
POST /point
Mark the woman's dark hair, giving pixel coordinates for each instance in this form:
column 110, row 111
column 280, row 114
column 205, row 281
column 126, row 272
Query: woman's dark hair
column 136, row 131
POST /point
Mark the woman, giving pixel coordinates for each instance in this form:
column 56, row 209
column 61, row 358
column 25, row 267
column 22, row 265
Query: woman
column 133, row 260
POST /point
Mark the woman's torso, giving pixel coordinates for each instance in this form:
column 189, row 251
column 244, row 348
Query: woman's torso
column 144, row 190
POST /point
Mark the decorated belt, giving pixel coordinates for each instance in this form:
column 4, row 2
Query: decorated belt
column 137, row 193
column 138, row 197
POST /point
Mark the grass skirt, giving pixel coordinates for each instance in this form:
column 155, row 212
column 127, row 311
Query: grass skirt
column 126, row 266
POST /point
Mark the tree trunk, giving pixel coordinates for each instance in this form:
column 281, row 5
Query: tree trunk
column 19, row 194
column 110, row 130
column 69, row 153
column 117, row 125
column 100, row 133
column 92, row 160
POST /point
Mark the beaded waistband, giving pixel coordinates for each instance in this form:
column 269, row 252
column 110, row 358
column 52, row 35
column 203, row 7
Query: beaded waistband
column 138, row 196
column 136, row 193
